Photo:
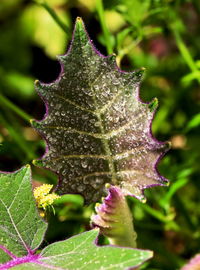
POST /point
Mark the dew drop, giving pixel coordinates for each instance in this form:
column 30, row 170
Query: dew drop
column 84, row 163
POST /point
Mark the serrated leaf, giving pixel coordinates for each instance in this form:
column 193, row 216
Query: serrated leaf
column 21, row 228
column 97, row 129
column 80, row 252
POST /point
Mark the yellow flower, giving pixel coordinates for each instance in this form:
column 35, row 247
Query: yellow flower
column 42, row 196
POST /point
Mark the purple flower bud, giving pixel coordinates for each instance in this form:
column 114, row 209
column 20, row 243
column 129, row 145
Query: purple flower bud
column 194, row 264
column 114, row 219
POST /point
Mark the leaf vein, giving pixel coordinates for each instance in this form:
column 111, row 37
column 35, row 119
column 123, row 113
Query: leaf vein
column 74, row 104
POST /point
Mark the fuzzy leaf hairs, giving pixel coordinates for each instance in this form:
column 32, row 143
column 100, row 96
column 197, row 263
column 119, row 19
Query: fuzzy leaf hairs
column 96, row 128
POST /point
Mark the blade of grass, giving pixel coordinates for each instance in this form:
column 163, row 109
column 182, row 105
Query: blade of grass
column 157, row 214
column 186, row 53
column 101, row 14
column 18, row 138
column 53, row 14
column 165, row 200
column 6, row 103
column 184, row 212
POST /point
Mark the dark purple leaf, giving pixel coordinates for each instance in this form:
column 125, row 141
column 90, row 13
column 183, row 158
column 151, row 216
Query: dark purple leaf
column 96, row 128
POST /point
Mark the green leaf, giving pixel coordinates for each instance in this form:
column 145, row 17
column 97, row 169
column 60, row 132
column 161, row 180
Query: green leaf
column 80, row 252
column 69, row 198
column 194, row 122
column 97, row 129
column 21, row 228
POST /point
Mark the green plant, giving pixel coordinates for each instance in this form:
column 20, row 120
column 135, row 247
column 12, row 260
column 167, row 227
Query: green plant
column 22, row 233
column 163, row 37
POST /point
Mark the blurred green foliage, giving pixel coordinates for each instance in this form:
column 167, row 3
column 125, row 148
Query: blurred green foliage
column 160, row 35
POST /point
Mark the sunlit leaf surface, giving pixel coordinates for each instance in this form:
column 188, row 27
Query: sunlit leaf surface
column 21, row 228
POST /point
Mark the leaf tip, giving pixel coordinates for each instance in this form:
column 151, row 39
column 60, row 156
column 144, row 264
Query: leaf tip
column 97, row 204
column 34, row 123
column 37, row 82
column 168, row 144
column 96, row 229
column 151, row 253
column 143, row 200
column 102, row 199
column 107, row 185
column 167, row 184
column 153, row 105
column 37, row 162
column 79, row 21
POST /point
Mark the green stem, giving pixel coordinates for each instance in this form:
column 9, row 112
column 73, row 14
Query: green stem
column 53, row 14
column 184, row 211
column 101, row 14
column 16, row 135
column 158, row 215
column 186, row 53
column 4, row 101
column 127, row 49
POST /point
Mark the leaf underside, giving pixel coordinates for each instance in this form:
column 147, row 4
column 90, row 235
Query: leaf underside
column 96, row 128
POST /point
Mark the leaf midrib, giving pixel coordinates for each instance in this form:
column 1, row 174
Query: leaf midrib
column 100, row 121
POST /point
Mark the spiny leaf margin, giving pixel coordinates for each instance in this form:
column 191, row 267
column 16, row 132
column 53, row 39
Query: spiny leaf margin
column 96, row 127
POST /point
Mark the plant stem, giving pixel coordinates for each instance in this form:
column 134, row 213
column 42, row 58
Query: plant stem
column 53, row 14
column 186, row 53
column 101, row 14
column 188, row 218
column 127, row 49
column 4, row 101
column 16, row 135
column 158, row 215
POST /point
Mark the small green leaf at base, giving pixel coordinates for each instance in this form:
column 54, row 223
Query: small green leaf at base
column 81, row 252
